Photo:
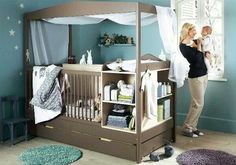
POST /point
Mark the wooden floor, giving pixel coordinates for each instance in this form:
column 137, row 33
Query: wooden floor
column 212, row 140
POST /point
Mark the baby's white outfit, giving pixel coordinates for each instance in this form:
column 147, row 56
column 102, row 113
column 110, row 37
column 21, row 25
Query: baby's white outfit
column 208, row 46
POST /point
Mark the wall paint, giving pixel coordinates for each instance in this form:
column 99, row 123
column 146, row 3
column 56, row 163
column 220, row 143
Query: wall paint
column 85, row 37
column 220, row 105
column 150, row 41
column 11, row 47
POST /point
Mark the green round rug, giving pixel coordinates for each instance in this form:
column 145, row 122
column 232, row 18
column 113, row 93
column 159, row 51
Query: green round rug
column 50, row 155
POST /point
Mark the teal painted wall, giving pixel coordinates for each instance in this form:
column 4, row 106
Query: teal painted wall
column 11, row 46
column 85, row 37
column 150, row 41
column 219, row 112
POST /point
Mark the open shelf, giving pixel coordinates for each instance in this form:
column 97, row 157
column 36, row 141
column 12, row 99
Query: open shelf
column 118, row 102
column 116, row 72
column 162, row 97
column 119, row 129
column 150, row 123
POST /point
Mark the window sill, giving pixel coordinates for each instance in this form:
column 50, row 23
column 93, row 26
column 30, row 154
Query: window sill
column 221, row 79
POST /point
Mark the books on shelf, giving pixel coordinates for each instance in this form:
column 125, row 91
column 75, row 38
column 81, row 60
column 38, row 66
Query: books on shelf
column 166, row 105
column 160, row 112
column 163, row 110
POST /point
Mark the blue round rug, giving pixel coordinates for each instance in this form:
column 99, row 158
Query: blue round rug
column 50, row 155
column 206, row 157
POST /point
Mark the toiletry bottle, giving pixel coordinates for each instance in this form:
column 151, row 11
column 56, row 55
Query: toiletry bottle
column 168, row 88
column 159, row 89
column 164, row 89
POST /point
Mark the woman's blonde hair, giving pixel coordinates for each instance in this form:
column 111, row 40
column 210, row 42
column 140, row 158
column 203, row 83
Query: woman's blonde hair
column 185, row 30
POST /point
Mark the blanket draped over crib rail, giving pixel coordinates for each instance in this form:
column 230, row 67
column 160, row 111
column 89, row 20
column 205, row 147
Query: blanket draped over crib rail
column 47, row 99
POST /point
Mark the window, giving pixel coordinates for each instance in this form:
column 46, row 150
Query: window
column 201, row 13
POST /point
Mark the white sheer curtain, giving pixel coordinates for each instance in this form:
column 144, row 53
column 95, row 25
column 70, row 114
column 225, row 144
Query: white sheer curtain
column 179, row 66
column 49, row 42
column 120, row 18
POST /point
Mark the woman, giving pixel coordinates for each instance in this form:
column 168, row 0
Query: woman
column 197, row 78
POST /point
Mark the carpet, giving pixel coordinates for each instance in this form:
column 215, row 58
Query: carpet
column 206, row 157
column 50, row 155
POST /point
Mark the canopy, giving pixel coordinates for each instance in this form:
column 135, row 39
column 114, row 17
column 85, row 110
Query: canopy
column 120, row 18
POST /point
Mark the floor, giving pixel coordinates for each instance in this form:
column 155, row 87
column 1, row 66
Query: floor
column 211, row 140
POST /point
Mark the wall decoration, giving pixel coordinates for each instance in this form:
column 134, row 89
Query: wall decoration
column 12, row 32
column 16, row 47
column 106, row 40
column 22, row 6
column 11, row 47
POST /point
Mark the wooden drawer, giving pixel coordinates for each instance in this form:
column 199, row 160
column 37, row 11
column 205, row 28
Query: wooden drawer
column 99, row 144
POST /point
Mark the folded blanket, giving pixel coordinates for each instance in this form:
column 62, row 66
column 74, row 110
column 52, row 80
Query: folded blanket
column 48, row 96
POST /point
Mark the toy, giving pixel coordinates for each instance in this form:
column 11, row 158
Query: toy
column 90, row 58
column 83, row 59
column 97, row 106
column 156, row 156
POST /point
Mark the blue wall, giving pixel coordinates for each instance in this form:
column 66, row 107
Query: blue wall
column 150, row 41
column 220, row 104
column 85, row 37
column 11, row 47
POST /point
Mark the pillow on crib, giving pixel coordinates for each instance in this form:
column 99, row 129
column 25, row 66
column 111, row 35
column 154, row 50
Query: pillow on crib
column 115, row 66
column 129, row 65
column 126, row 65
column 118, row 65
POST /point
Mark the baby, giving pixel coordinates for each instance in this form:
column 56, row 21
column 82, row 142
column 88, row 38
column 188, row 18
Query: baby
column 207, row 45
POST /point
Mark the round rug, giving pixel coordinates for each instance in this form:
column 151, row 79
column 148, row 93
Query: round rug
column 206, row 157
column 50, row 155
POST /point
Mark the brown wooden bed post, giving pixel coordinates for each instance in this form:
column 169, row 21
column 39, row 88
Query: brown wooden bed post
column 174, row 112
column 70, row 41
column 28, row 77
column 137, row 81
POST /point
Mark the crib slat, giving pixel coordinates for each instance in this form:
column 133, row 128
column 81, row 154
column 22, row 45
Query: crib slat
column 89, row 97
column 92, row 93
column 86, row 99
column 80, row 98
column 77, row 96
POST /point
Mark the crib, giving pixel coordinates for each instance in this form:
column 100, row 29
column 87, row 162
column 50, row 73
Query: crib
column 76, row 124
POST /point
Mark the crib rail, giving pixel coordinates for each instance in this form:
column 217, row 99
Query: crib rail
column 79, row 96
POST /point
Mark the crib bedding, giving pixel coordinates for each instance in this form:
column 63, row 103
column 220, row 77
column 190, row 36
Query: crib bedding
column 47, row 96
column 85, row 112
column 41, row 112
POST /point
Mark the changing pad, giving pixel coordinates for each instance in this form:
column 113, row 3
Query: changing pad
column 126, row 65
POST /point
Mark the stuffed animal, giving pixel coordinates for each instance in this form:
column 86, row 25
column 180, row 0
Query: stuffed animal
column 90, row 58
column 97, row 101
column 83, row 59
column 97, row 106
column 108, row 42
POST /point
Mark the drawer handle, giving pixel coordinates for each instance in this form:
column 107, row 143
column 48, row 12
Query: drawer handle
column 48, row 126
column 105, row 139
